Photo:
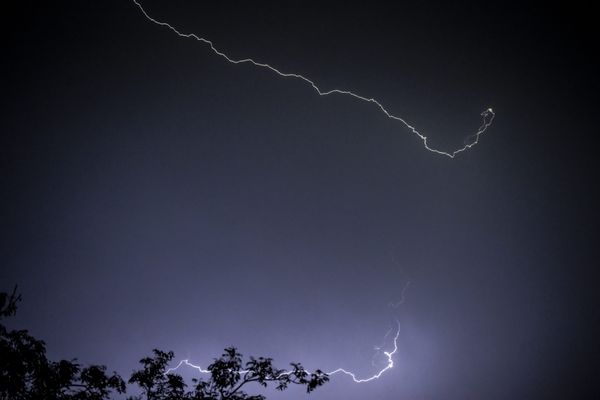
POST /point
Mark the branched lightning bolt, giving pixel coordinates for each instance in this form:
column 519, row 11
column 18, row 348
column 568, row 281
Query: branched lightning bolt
column 401, row 301
column 487, row 115
column 389, row 355
column 390, row 363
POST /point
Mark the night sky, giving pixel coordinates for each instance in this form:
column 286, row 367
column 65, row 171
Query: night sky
column 154, row 195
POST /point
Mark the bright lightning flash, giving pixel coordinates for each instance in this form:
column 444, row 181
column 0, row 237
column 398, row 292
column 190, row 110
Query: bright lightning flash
column 388, row 354
column 487, row 115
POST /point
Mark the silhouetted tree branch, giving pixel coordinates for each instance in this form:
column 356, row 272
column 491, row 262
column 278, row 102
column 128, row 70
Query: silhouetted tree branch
column 26, row 373
column 228, row 375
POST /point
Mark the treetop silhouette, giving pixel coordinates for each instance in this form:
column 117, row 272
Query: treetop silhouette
column 27, row 374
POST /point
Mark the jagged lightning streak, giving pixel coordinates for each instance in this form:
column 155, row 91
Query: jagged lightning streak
column 487, row 115
column 401, row 301
column 390, row 363
column 388, row 354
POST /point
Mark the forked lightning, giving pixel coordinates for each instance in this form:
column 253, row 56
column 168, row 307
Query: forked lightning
column 487, row 115
column 388, row 354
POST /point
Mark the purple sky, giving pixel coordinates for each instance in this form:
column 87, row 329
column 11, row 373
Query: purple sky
column 154, row 195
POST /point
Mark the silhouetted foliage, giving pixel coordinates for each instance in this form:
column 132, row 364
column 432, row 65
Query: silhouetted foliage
column 26, row 373
column 228, row 375
column 155, row 382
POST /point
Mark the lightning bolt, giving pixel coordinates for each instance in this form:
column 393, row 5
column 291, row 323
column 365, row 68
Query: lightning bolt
column 388, row 354
column 487, row 115
column 390, row 363
column 401, row 301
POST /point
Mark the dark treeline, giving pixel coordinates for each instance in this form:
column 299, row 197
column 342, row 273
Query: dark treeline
column 26, row 373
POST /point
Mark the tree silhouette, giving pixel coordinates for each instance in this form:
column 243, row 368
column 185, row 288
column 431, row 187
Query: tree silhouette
column 26, row 373
column 155, row 382
column 228, row 375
